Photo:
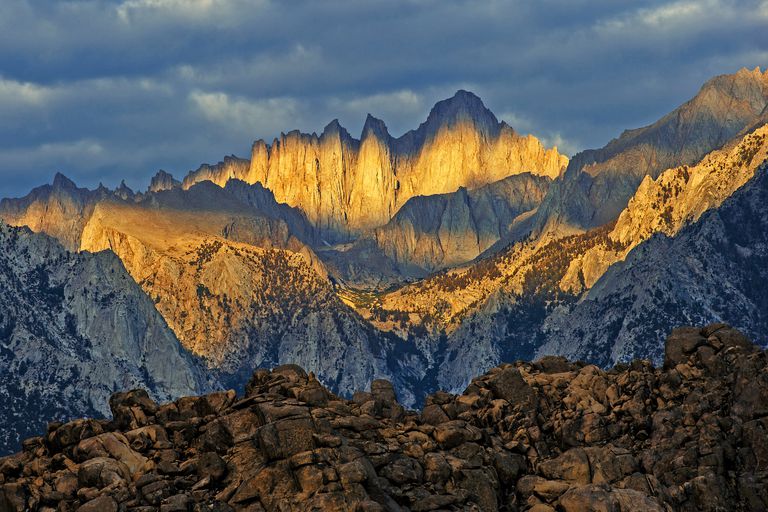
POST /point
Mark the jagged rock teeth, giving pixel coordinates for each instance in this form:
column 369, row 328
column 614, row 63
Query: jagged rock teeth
column 163, row 181
column 347, row 186
column 545, row 436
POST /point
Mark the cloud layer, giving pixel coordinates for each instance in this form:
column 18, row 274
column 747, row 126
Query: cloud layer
column 106, row 90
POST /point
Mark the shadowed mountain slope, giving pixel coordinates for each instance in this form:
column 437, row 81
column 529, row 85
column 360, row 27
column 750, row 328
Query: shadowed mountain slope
column 75, row 328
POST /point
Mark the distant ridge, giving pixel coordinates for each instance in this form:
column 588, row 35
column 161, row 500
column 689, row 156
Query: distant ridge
column 346, row 186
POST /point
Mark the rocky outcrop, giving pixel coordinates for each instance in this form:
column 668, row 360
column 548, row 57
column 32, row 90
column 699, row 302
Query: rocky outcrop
column 710, row 271
column 231, row 167
column 543, row 436
column 74, row 328
column 346, row 186
column 163, row 181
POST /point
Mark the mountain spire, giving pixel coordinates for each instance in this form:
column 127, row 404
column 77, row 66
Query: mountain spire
column 62, row 182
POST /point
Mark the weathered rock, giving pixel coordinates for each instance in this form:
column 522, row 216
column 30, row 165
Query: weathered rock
column 100, row 504
column 383, row 390
column 543, row 436
column 103, row 472
column 572, row 466
column 211, row 466
column 113, row 445
column 680, row 344
column 434, row 414
column 403, row 470
column 510, row 386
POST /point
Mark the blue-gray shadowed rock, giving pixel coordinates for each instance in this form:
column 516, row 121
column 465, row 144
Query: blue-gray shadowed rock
column 598, row 183
column 75, row 328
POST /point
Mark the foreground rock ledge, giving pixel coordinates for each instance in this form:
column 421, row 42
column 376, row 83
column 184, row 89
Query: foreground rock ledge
column 543, row 436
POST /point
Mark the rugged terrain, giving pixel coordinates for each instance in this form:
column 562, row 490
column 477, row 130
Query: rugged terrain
column 712, row 269
column 542, row 436
column 74, row 327
column 346, row 186
column 445, row 230
column 233, row 274
column 239, row 290
column 425, row 259
column 544, row 295
column 598, row 183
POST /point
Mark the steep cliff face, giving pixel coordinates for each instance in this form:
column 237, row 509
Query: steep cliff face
column 444, row 230
column 346, row 186
column 60, row 210
column 240, row 292
column 598, row 183
column 675, row 199
column 75, row 328
column 711, row 270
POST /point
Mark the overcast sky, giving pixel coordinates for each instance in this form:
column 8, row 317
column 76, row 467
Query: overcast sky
column 105, row 90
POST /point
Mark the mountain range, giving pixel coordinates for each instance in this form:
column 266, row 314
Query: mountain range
column 424, row 259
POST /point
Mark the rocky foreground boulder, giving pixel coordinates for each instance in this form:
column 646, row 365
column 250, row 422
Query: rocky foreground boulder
column 542, row 436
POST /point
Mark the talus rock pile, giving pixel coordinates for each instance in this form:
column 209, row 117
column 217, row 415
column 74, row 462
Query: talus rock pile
column 543, row 436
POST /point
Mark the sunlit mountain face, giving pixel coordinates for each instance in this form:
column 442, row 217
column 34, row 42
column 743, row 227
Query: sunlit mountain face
column 450, row 314
column 425, row 258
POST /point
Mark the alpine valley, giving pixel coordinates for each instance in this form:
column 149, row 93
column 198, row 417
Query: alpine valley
column 425, row 259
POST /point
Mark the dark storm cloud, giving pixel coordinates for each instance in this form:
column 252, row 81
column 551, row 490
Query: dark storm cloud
column 111, row 90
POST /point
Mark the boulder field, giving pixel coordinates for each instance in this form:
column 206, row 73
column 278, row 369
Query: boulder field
column 551, row 435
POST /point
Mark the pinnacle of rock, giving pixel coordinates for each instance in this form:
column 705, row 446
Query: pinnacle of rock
column 463, row 106
column 334, row 130
column 163, row 181
column 376, row 128
column 61, row 182
column 347, row 187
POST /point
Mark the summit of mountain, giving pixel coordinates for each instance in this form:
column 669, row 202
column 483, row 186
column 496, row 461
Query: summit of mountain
column 347, row 186
column 598, row 183
column 59, row 209
column 463, row 107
